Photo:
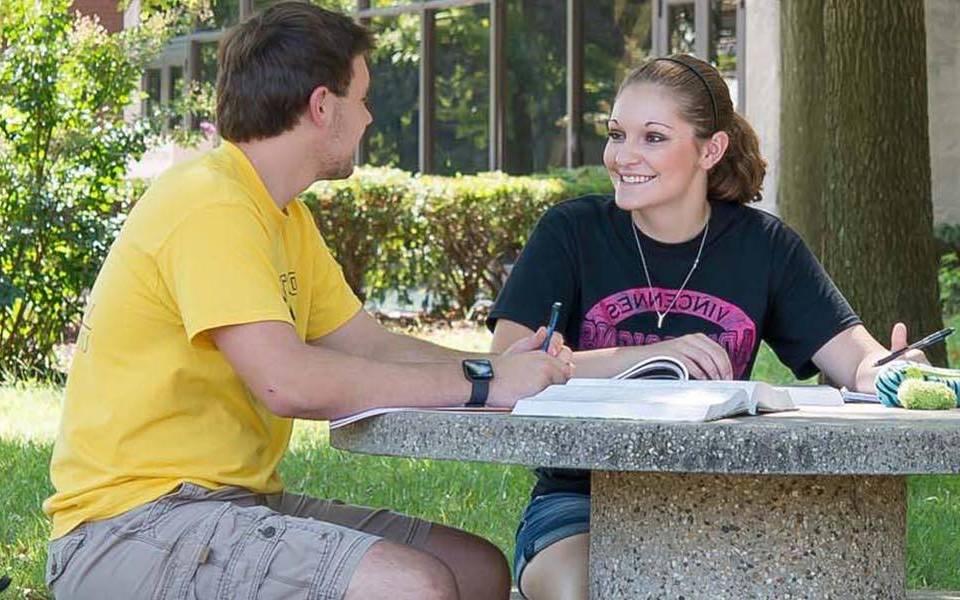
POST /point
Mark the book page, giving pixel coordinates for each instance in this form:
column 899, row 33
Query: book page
column 629, row 399
column 334, row 423
column 813, row 395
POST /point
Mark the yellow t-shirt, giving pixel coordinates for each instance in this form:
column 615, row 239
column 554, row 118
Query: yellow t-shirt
column 150, row 402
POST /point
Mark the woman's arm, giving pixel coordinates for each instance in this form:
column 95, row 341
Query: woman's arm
column 704, row 358
column 848, row 358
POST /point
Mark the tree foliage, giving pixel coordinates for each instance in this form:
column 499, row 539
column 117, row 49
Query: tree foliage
column 64, row 148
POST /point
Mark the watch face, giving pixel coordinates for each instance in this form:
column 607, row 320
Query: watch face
column 478, row 369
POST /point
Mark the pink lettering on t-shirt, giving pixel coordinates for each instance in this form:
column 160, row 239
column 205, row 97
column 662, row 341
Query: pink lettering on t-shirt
column 738, row 334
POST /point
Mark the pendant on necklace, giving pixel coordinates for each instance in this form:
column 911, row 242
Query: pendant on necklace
column 660, row 320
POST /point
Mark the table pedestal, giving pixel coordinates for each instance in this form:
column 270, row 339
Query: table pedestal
column 663, row 535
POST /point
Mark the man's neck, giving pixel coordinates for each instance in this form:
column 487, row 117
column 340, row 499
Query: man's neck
column 282, row 165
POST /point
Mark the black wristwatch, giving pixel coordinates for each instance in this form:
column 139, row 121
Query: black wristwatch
column 479, row 372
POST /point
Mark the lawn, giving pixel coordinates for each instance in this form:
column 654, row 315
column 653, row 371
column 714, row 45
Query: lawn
column 485, row 499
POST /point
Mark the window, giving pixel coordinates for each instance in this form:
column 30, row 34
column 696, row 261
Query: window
column 536, row 86
column 616, row 39
column 153, row 88
column 392, row 138
column 462, row 90
column 176, row 93
column 617, row 35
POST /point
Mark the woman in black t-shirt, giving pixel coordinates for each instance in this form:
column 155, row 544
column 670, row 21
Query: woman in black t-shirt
column 677, row 264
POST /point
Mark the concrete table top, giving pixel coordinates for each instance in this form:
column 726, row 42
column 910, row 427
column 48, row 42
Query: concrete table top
column 856, row 439
column 802, row 504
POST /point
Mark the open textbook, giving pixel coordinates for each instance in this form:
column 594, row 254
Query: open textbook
column 659, row 389
column 656, row 388
column 654, row 400
column 655, row 367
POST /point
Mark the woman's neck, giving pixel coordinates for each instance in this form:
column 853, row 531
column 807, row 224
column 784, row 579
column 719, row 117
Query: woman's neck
column 672, row 222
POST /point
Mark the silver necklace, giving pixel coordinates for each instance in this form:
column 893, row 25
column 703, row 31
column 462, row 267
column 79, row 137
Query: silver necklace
column 643, row 261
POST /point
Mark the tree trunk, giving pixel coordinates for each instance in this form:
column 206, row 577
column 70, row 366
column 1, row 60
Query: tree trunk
column 856, row 155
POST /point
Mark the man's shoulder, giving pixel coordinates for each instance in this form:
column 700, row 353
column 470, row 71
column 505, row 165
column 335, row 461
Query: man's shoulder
column 198, row 182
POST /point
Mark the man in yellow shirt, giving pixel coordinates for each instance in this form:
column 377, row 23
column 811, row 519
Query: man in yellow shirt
column 218, row 317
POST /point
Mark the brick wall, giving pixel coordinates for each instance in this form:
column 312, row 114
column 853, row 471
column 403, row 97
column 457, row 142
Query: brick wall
column 111, row 17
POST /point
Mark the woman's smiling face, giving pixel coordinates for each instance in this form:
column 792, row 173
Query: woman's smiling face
column 652, row 154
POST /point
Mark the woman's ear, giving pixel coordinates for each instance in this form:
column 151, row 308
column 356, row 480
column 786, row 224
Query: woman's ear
column 713, row 150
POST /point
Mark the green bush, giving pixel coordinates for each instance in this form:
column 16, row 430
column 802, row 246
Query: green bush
column 369, row 221
column 64, row 149
column 452, row 236
column 949, row 276
column 475, row 226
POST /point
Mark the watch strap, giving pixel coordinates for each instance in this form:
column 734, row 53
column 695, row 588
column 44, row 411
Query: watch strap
column 478, row 393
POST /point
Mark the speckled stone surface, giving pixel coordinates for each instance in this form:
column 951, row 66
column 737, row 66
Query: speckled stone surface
column 849, row 440
column 732, row 537
column 802, row 504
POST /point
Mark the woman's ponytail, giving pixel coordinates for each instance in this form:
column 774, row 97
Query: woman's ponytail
column 738, row 176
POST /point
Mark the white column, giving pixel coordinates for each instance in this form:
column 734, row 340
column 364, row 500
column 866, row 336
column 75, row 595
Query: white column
column 943, row 102
column 763, row 82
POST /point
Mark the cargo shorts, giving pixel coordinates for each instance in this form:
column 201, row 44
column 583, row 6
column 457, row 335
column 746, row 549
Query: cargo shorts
column 228, row 543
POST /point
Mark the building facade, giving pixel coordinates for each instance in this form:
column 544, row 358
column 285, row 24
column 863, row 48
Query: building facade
column 523, row 86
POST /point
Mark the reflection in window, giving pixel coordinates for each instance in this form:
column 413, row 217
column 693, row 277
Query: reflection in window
column 536, row 86
column 462, row 90
column 176, row 93
column 208, row 63
column 682, row 30
column 723, row 42
column 392, row 138
column 152, row 86
column 222, row 14
column 617, row 38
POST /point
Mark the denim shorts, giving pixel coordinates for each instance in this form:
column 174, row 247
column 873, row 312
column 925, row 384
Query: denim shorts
column 547, row 519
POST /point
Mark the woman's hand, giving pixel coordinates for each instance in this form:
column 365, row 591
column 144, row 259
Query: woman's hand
column 703, row 357
column 898, row 340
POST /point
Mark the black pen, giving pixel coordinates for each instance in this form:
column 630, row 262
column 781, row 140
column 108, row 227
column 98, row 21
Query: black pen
column 552, row 326
column 930, row 340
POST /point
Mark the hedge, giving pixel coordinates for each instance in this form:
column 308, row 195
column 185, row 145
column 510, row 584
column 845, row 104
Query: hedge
column 453, row 236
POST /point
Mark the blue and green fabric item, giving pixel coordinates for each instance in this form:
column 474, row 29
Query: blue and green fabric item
column 892, row 375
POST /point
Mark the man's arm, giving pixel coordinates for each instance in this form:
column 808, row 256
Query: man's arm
column 363, row 336
column 294, row 379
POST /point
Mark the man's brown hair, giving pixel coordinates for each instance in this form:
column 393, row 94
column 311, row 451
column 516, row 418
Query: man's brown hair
column 271, row 63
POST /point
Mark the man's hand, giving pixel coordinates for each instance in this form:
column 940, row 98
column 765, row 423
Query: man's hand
column 523, row 369
column 704, row 358
column 534, row 341
column 523, row 374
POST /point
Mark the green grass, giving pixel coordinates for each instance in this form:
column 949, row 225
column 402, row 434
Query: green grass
column 482, row 498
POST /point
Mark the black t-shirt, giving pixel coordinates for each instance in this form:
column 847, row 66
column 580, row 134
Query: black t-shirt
column 756, row 280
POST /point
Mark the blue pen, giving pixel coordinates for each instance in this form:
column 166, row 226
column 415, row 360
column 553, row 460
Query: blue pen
column 552, row 326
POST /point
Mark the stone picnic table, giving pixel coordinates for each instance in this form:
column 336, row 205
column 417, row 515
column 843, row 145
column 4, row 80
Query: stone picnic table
column 801, row 504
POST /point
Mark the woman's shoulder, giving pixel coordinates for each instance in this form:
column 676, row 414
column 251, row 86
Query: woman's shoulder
column 753, row 221
column 576, row 210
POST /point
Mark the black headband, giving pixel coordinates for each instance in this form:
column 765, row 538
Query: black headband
column 713, row 100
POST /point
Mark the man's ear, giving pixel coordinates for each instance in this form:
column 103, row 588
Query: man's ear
column 714, row 149
column 319, row 106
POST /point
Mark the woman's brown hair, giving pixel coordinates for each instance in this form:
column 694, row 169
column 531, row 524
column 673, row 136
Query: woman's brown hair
column 704, row 102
